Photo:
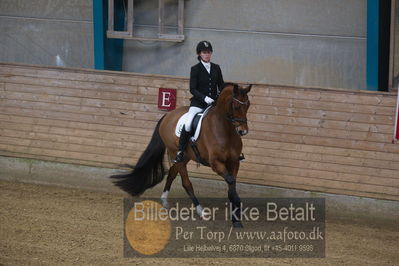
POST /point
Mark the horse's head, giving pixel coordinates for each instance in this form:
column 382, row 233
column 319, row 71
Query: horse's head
column 237, row 103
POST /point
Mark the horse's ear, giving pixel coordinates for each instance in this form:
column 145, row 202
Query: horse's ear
column 248, row 89
column 236, row 89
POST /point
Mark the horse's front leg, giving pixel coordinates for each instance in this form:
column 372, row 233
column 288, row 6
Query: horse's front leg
column 233, row 195
column 229, row 174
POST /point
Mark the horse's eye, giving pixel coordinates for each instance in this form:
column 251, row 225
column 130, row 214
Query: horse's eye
column 236, row 107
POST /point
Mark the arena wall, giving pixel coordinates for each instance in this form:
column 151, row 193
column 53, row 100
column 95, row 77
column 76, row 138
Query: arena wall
column 323, row 140
column 55, row 33
column 298, row 43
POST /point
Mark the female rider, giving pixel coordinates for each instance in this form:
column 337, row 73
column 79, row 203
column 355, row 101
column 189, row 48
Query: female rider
column 206, row 82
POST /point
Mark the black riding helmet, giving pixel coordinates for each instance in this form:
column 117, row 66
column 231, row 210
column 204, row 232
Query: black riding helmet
column 203, row 46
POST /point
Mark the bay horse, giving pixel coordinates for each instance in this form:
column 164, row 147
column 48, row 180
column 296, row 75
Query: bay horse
column 219, row 145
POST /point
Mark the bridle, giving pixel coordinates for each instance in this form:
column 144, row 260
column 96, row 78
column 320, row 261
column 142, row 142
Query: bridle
column 235, row 120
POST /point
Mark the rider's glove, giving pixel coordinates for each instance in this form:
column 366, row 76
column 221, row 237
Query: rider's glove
column 209, row 100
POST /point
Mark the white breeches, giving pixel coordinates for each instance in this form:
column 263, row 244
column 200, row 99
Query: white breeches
column 190, row 116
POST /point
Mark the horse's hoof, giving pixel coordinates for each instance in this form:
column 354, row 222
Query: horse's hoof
column 237, row 225
column 165, row 203
column 200, row 211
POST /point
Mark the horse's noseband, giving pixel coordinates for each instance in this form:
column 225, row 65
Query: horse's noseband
column 240, row 102
column 236, row 120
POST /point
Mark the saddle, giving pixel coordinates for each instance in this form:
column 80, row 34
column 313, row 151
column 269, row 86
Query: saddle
column 195, row 124
column 194, row 133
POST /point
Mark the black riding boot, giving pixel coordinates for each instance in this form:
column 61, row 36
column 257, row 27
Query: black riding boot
column 184, row 137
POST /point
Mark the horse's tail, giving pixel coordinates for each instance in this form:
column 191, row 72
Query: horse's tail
column 149, row 169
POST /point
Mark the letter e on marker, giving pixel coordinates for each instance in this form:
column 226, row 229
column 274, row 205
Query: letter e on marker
column 166, row 99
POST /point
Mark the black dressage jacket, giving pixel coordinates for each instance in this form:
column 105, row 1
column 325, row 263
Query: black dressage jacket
column 204, row 84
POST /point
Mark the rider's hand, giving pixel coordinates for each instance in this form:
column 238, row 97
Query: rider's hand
column 209, row 100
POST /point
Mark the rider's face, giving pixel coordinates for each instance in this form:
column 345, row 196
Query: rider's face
column 206, row 56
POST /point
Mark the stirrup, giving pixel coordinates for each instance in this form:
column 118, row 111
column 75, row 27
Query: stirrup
column 179, row 157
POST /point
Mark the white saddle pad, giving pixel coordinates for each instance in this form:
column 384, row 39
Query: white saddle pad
column 183, row 120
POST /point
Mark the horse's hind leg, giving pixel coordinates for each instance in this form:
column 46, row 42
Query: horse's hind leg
column 189, row 187
column 169, row 180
